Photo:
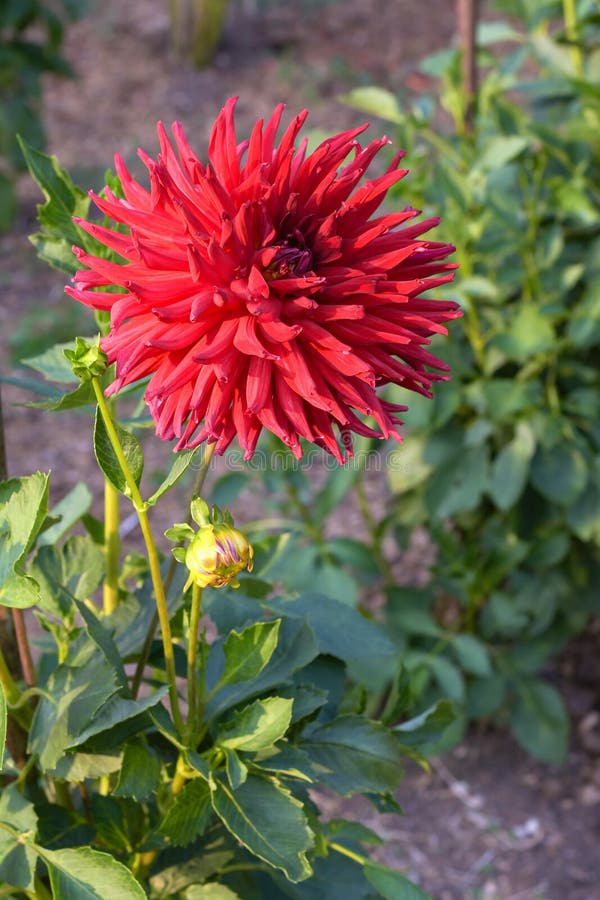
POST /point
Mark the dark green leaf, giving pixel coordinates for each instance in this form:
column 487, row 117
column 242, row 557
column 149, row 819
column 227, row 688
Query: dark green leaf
column 17, row 860
column 83, row 395
column 457, row 486
column 296, row 648
column 539, row 721
column 103, row 639
column 115, row 711
column 249, row 651
column 511, row 468
column 268, row 821
column 559, row 473
column 79, row 766
column 140, row 774
column 176, row 877
column 472, row 654
column 23, row 509
column 355, row 755
column 190, row 814
column 237, row 771
column 393, row 885
column 76, row 694
column 63, row 201
column 107, row 460
column 257, row 726
column 425, row 732
column 340, row 630
column 86, row 874
column 211, row 891
column 182, row 462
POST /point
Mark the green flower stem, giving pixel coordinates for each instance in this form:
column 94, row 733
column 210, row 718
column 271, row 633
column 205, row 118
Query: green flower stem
column 192, row 655
column 112, row 544
column 198, row 485
column 112, row 547
column 159, row 591
column 570, row 18
column 339, row 848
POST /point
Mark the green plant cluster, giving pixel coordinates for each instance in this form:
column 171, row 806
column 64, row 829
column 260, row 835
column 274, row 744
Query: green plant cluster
column 502, row 469
column 110, row 793
column 31, row 34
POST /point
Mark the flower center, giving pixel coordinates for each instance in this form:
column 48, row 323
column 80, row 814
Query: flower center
column 291, row 260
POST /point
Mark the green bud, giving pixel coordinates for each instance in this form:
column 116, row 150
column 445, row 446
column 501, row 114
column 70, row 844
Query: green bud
column 87, row 360
column 218, row 553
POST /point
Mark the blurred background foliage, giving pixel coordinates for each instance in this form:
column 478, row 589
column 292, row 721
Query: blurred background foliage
column 31, row 35
column 501, row 470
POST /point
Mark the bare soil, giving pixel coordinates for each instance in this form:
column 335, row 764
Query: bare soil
column 489, row 822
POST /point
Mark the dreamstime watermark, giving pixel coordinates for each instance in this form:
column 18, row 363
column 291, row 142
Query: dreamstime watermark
column 393, row 459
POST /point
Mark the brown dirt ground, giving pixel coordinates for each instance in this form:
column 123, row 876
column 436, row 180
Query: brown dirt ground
column 489, row 822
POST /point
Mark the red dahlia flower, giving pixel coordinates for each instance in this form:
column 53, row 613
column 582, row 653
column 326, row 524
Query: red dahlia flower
column 259, row 292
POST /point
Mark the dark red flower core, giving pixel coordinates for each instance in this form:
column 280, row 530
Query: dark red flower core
column 259, row 292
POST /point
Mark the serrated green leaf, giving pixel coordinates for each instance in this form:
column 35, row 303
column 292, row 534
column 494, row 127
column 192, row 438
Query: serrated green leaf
column 286, row 760
column 75, row 695
column 340, row 630
column 63, row 201
column 104, row 640
column 355, row 755
column 53, row 364
column 83, row 395
column 295, row 649
column 259, row 725
column 17, row 860
column 248, row 652
column 115, row 711
column 107, row 460
column 182, row 463
column 86, row 874
column 268, row 821
column 79, row 766
column 235, row 768
column 425, row 731
column 23, row 509
column 140, row 773
column 190, row 814
column 393, row 885
column 177, row 877
column 71, row 572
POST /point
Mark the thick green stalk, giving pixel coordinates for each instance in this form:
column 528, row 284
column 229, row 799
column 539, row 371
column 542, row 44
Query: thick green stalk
column 112, row 548
column 571, row 29
column 197, row 490
column 153, row 560
column 192, row 656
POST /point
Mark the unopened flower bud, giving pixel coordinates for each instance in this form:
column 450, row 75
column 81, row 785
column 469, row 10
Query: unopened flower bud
column 87, row 360
column 216, row 554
